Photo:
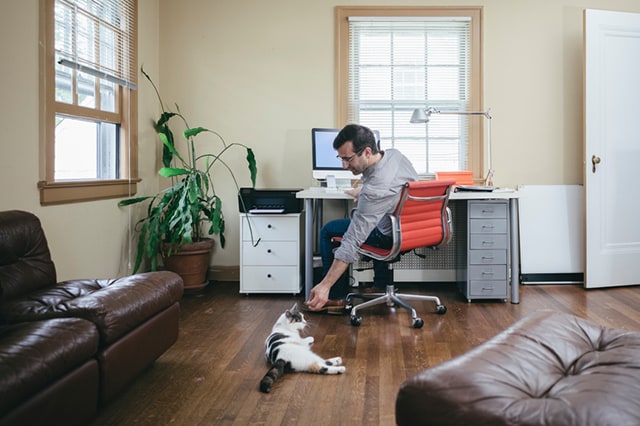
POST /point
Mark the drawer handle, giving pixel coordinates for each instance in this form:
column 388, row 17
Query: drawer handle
column 488, row 257
column 268, row 250
column 490, row 211
column 485, row 273
column 490, row 227
column 488, row 243
column 269, row 226
column 268, row 275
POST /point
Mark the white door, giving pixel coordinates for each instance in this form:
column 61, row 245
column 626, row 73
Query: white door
column 612, row 148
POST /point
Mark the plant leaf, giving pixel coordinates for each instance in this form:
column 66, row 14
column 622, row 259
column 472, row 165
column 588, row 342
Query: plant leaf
column 194, row 131
column 130, row 201
column 253, row 169
column 172, row 171
column 168, row 145
column 166, row 142
column 216, row 219
column 164, row 119
column 194, row 190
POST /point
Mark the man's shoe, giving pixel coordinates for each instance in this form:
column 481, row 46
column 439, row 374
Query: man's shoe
column 335, row 307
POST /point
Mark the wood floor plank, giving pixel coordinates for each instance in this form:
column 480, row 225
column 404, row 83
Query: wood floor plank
column 211, row 375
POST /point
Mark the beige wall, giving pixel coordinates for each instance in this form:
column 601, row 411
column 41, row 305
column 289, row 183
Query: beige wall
column 262, row 73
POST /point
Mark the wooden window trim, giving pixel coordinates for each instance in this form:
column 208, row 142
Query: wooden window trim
column 62, row 192
column 476, row 148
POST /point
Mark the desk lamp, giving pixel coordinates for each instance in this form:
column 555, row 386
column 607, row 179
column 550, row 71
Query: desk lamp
column 421, row 115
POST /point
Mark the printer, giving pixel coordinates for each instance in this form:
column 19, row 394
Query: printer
column 269, row 201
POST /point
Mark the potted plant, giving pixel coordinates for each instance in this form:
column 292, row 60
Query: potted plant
column 184, row 215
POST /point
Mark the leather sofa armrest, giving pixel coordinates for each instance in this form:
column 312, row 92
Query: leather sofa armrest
column 124, row 303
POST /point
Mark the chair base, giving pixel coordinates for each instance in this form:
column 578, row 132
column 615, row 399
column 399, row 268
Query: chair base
column 390, row 298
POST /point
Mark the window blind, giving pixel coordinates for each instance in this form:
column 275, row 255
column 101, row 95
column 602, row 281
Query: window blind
column 98, row 37
column 397, row 64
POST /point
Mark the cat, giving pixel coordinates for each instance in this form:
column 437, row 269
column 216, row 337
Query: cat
column 288, row 351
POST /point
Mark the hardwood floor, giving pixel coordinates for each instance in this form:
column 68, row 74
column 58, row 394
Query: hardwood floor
column 211, row 375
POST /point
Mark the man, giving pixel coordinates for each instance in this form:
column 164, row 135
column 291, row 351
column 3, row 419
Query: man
column 383, row 175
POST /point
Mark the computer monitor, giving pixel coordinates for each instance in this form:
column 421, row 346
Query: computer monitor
column 325, row 160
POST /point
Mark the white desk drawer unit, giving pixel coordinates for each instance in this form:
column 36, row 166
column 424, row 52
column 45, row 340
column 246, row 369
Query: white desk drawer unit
column 274, row 265
column 485, row 275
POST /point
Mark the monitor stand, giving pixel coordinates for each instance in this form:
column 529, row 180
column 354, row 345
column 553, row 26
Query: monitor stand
column 343, row 183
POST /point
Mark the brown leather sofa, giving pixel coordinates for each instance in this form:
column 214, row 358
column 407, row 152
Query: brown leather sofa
column 549, row 368
column 49, row 372
column 68, row 347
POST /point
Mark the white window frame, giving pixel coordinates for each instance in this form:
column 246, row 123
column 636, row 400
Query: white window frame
column 472, row 129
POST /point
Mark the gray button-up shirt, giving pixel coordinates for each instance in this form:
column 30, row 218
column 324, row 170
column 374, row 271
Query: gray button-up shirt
column 381, row 187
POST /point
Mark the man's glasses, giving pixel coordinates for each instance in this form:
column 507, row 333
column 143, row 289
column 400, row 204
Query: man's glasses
column 351, row 157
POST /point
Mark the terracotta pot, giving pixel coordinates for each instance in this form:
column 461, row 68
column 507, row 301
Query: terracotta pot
column 191, row 262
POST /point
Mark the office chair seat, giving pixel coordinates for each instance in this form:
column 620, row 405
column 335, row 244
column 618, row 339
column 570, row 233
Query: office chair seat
column 421, row 219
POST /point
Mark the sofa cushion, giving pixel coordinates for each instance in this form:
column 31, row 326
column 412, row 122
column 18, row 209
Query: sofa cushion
column 33, row 355
column 25, row 260
column 115, row 306
column 549, row 368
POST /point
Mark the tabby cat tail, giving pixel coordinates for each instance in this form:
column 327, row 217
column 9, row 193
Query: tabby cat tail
column 272, row 375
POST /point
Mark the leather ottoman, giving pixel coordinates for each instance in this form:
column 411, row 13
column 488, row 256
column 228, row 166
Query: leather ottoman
column 549, row 368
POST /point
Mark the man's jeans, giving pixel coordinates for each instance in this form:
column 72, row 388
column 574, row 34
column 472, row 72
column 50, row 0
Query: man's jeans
column 337, row 228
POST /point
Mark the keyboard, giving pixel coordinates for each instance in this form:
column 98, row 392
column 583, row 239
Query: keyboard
column 329, row 190
column 474, row 188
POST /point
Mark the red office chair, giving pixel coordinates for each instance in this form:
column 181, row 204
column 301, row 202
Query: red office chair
column 421, row 219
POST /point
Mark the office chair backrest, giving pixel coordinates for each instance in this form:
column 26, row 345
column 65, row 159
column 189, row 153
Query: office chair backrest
column 422, row 214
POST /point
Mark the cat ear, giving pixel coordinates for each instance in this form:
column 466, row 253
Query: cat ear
column 290, row 313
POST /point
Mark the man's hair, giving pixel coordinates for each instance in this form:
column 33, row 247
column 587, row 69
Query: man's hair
column 360, row 136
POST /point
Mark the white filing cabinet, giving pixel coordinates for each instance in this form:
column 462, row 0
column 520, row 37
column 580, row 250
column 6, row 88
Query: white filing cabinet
column 486, row 252
column 274, row 265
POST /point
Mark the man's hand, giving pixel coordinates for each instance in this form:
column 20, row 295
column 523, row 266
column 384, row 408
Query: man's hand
column 318, row 297
column 354, row 192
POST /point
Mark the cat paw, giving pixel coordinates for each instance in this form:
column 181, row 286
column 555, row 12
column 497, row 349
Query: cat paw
column 309, row 340
column 334, row 361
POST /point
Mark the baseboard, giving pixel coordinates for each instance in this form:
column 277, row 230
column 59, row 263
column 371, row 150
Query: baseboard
column 557, row 278
column 224, row 273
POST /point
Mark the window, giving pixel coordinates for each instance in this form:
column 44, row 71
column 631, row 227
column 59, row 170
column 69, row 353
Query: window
column 392, row 60
column 89, row 106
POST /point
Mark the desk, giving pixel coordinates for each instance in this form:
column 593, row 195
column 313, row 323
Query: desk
column 309, row 195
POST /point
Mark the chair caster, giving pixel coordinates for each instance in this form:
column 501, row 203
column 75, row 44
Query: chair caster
column 441, row 309
column 356, row 320
column 418, row 323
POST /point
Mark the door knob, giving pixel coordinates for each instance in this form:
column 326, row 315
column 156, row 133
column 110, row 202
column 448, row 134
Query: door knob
column 595, row 160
